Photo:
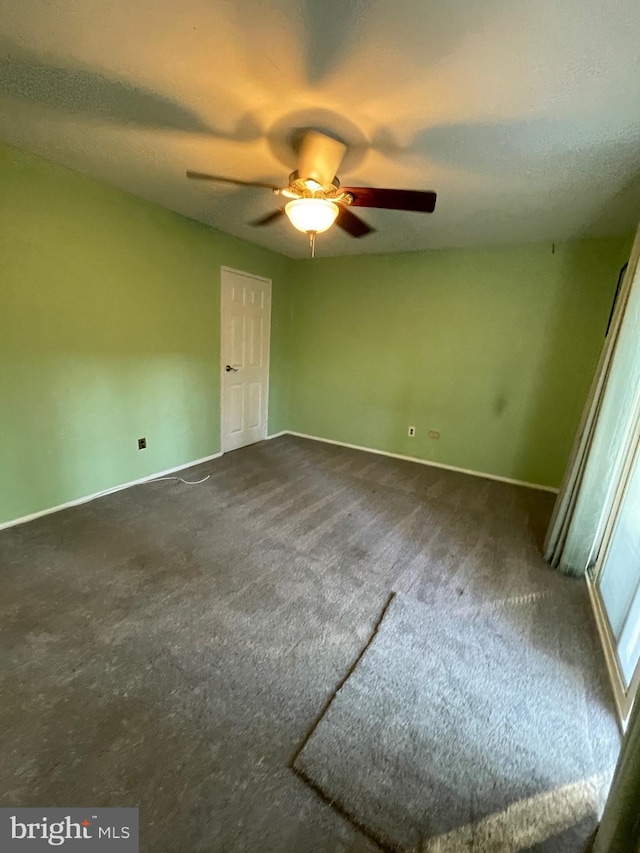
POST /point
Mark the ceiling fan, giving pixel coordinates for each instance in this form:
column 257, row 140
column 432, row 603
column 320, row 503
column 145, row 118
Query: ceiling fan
column 317, row 199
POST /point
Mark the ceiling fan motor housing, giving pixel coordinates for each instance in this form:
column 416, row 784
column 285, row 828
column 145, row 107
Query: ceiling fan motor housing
column 304, row 187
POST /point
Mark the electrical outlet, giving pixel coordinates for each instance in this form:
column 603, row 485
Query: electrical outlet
column 411, row 432
column 142, row 443
column 433, row 433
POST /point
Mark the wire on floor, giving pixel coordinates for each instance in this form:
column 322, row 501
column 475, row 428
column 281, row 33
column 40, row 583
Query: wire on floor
column 186, row 482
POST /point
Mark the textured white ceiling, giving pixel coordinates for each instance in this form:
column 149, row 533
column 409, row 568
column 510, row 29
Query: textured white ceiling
column 524, row 116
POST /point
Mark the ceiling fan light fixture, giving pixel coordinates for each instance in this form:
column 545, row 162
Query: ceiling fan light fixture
column 311, row 214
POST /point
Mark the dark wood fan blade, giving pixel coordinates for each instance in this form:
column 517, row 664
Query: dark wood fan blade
column 351, row 223
column 200, row 176
column 421, row 201
column 268, row 219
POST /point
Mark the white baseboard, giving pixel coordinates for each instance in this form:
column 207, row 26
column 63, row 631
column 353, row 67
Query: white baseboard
column 424, row 462
column 23, row 519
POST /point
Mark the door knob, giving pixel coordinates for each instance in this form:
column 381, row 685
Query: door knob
column 228, row 368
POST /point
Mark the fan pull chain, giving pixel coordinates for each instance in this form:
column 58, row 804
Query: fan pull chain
column 312, row 243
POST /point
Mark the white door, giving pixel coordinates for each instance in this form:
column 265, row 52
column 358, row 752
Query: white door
column 245, row 333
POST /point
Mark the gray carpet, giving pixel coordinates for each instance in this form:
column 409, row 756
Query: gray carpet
column 455, row 714
column 171, row 646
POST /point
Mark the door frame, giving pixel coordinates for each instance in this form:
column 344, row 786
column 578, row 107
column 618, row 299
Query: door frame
column 624, row 697
column 268, row 282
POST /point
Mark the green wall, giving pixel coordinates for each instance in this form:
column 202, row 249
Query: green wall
column 493, row 348
column 109, row 330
